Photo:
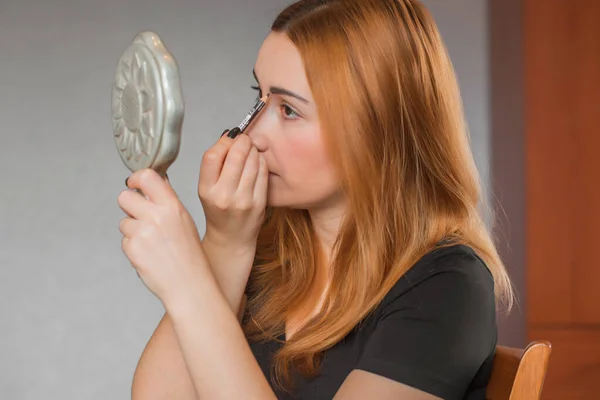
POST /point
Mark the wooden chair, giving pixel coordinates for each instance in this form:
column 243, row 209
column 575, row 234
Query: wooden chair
column 518, row 374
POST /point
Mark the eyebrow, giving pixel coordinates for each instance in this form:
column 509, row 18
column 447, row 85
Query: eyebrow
column 278, row 90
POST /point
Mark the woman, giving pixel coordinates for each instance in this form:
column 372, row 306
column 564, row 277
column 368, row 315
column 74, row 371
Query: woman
column 348, row 217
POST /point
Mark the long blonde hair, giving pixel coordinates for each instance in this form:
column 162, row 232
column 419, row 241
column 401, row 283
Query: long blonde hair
column 390, row 107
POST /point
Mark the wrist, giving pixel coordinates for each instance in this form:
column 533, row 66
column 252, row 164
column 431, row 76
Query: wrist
column 233, row 248
column 231, row 264
column 199, row 291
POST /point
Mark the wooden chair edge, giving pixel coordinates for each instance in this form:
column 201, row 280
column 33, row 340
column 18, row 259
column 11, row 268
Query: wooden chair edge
column 540, row 351
column 513, row 362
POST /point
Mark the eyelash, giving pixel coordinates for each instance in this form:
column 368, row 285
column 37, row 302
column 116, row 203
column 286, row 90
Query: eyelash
column 282, row 105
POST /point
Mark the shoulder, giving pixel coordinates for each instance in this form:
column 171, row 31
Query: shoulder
column 436, row 330
column 454, row 271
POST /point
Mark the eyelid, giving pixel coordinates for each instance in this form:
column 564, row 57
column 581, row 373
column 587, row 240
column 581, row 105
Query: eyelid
column 298, row 115
column 285, row 103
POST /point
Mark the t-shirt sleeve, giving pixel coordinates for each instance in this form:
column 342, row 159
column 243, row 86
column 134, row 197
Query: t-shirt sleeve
column 437, row 335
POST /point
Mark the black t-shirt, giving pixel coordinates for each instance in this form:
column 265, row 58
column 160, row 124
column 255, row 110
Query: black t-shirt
column 435, row 331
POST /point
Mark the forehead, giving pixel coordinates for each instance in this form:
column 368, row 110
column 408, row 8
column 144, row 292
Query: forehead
column 279, row 64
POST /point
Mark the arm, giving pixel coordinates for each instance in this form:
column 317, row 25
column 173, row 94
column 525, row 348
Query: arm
column 231, row 268
column 213, row 345
column 365, row 385
column 161, row 372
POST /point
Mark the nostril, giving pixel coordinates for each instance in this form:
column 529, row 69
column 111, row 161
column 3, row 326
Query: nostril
column 258, row 140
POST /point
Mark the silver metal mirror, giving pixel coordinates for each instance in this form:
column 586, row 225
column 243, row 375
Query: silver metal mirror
column 147, row 105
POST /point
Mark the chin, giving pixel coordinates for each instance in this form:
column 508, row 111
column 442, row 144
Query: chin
column 277, row 199
column 305, row 198
column 280, row 198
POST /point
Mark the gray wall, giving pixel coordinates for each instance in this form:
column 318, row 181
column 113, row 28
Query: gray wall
column 75, row 317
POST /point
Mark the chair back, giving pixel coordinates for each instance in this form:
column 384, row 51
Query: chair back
column 518, row 374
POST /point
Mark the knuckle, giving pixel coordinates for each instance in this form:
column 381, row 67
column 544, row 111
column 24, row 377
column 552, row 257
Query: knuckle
column 253, row 166
column 211, row 156
column 203, row 194
column 244, row 142
column 147, row 232
column 236, row 156
column 222, row 203
column 160, row 218
column 176, row 208
column 133, row 247
column 245, row 205
column 254, row 152
column 253, row 157
column 145, row 175
column 262, row 160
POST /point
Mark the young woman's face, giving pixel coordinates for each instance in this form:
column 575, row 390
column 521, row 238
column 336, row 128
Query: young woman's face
column 288, row 133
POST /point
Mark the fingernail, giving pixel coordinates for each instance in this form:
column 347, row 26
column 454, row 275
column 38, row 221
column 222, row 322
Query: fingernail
column 126, row 180
column 234, row 132
column 224, row 132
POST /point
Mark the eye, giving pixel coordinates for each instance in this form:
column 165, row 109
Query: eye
column 288, row 112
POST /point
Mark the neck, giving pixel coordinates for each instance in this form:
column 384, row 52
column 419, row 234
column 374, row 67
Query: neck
column 326, row 223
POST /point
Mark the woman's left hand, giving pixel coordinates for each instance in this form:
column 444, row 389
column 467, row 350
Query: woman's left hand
column 160, row 237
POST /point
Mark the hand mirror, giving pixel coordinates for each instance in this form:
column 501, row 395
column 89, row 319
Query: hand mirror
column 147, row 105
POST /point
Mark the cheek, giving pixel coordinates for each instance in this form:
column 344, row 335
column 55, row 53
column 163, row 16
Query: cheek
column 301, row 155
column 306, row 164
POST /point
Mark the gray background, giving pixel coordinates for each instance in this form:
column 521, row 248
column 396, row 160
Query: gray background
column 74, row 316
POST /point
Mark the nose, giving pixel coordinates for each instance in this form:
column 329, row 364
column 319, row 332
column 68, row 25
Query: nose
column 257, row 131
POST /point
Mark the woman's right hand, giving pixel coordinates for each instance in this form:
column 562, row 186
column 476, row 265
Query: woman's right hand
column 233, row 192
